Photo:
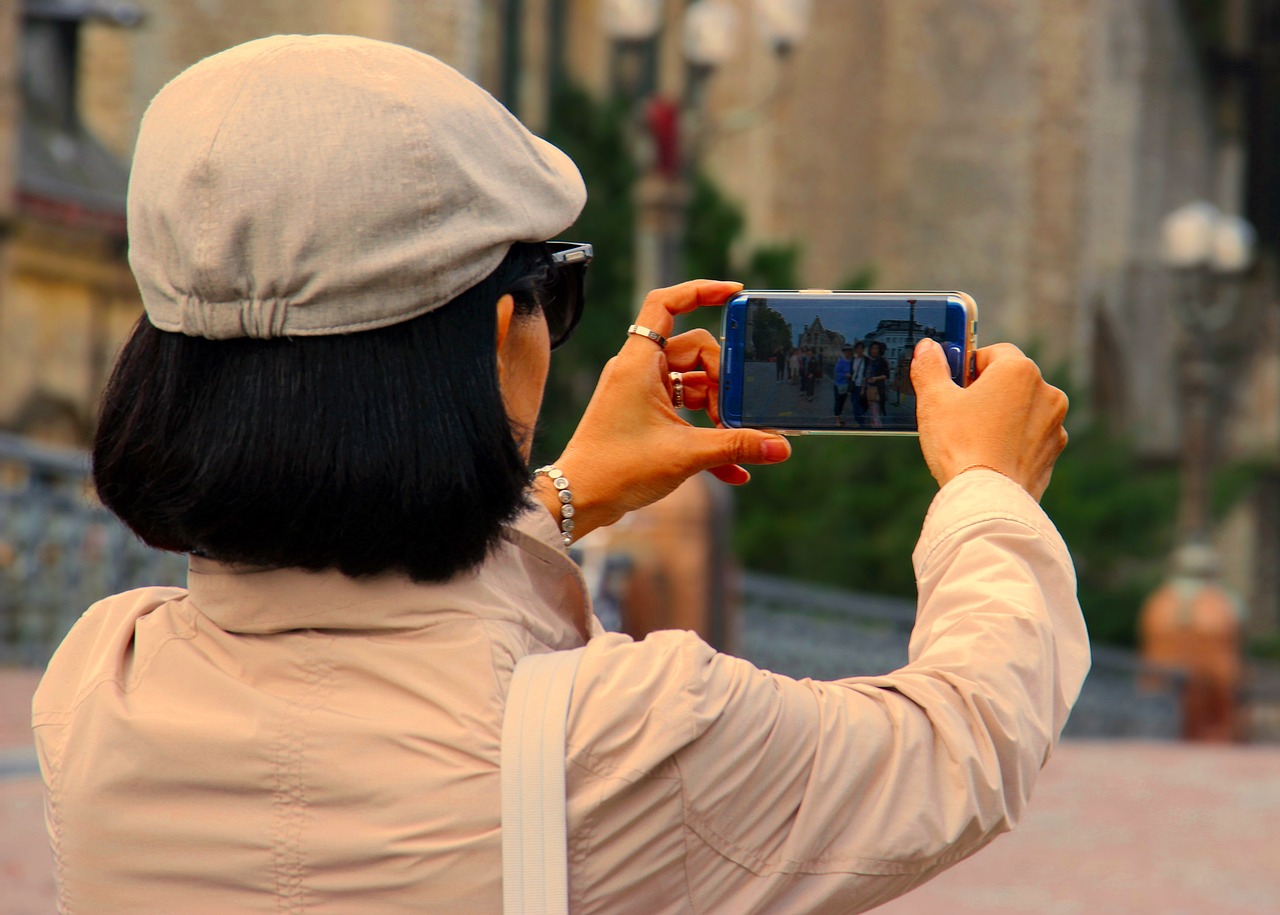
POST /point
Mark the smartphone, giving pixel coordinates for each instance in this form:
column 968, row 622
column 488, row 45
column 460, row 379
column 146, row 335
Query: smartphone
column 818, row 362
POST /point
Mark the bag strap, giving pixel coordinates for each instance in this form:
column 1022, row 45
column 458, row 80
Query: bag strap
column 535, row 865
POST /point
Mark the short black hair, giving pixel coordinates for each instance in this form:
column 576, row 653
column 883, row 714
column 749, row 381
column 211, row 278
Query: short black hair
column 387, row 450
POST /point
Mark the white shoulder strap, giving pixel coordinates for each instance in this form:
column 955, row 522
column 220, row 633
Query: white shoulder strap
column 535, row 866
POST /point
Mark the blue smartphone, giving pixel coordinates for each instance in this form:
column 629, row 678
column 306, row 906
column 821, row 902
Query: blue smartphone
column 818, row 362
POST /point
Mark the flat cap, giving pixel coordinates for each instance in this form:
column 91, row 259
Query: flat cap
column 307, row 185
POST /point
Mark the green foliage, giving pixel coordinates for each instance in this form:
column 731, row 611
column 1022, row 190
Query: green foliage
column 847, row 512
column 769, row 333
column 593, row 134
column 712, row 227
column 844, row 511
column 863, row 278
column 1266, row 648
column 1117, row 516
column 773, row 267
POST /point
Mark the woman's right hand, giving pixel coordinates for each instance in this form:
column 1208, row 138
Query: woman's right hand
column 1009, row 419
column 632, row 447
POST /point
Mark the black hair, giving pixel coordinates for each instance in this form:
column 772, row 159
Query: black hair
column 387, row 450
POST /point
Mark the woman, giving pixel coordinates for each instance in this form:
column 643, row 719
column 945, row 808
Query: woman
column 350, row 315
column 874, row 386
column 842, row 377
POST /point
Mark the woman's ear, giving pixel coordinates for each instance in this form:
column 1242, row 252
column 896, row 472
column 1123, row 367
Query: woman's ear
column 506, row 308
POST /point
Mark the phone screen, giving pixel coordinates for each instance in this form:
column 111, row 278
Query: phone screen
column 834, row 362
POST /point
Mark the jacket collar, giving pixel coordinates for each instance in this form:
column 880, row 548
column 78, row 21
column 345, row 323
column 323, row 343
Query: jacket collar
column 528, row 579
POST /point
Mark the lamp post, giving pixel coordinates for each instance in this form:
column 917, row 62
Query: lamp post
column 669, row 133
column 680, row 572
column 1192, row 621
column 1208, row 252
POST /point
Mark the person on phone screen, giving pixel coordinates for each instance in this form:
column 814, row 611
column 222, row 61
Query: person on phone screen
column 841, row 377
column 858, row 375
column 345, row 252
column 875, row 385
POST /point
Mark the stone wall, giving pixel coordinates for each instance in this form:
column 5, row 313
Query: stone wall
column 123, row 69
column 8, row 110
column 67, row 299
column 1021, row 150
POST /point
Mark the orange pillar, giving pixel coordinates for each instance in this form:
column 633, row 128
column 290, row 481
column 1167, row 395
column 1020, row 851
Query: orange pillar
column 1192, row 624
column 680, row 570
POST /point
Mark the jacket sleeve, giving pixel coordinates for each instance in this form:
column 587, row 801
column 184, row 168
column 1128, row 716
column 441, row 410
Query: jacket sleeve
column 802, row 796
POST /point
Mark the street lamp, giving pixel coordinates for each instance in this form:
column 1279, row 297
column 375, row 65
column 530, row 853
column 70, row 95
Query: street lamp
column 666, row 139
column 1208, row 252
column 1192, row 622
column 669, row 133
column 782, row 23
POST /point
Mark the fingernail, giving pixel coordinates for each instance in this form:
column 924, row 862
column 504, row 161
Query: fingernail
column 776, row 449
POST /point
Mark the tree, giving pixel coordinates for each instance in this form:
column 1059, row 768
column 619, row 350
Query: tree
column 770, row 333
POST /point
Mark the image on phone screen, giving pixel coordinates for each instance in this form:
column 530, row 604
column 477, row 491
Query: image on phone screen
column 825, row 363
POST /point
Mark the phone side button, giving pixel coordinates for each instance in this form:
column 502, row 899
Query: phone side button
column 955, row 360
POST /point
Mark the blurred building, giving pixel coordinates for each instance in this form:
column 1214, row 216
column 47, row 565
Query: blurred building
column 75, row 78
column 1024, row 151
column 63, row 281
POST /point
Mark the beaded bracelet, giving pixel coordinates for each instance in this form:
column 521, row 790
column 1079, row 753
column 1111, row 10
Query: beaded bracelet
column 561, row 483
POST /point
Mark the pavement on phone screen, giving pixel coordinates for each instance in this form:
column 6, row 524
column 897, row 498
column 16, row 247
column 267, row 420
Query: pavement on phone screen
column 782, row 401
column 1114, row 827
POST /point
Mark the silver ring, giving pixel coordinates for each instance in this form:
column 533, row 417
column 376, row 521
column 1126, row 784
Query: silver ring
column 677, row 389
column 648, row 334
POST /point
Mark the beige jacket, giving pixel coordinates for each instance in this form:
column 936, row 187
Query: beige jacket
column 282, row 741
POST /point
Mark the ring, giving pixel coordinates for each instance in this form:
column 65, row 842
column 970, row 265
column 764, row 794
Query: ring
column 677, row 389
column 650, row 334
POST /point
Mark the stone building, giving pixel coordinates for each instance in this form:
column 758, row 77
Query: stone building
column 75, row 78
column 899, row 337
column 65, row 292
column 1024, row 151
column 825, row 343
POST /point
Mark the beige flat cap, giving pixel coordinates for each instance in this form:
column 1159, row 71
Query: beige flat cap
column 305, row 185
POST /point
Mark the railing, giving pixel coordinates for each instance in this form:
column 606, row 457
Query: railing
column 60, row 550
column 803, row 630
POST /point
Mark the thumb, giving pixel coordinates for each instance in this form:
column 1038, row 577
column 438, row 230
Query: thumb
column 929, row 368
column 740, row 446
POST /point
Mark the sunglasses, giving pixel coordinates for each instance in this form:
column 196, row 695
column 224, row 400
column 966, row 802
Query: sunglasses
column 566, row 293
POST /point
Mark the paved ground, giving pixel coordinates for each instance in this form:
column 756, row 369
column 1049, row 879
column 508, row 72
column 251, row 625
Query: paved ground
column 1120, row 827
column 1115, row 828
column 26, row 878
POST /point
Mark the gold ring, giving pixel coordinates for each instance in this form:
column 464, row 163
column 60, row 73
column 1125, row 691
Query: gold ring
column 677, row 389
column 649, row 334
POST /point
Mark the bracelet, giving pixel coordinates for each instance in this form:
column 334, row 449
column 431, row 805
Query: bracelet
column 561, row 483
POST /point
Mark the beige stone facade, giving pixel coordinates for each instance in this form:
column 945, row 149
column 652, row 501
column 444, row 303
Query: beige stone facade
column 123, row 69
column 1023, row 151
column 67, row 298
column 8, row 110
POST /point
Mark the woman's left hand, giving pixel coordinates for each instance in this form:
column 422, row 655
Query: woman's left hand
column 632, row 447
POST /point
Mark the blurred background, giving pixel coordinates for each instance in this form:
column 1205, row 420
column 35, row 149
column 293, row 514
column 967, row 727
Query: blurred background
column 1103, row 176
